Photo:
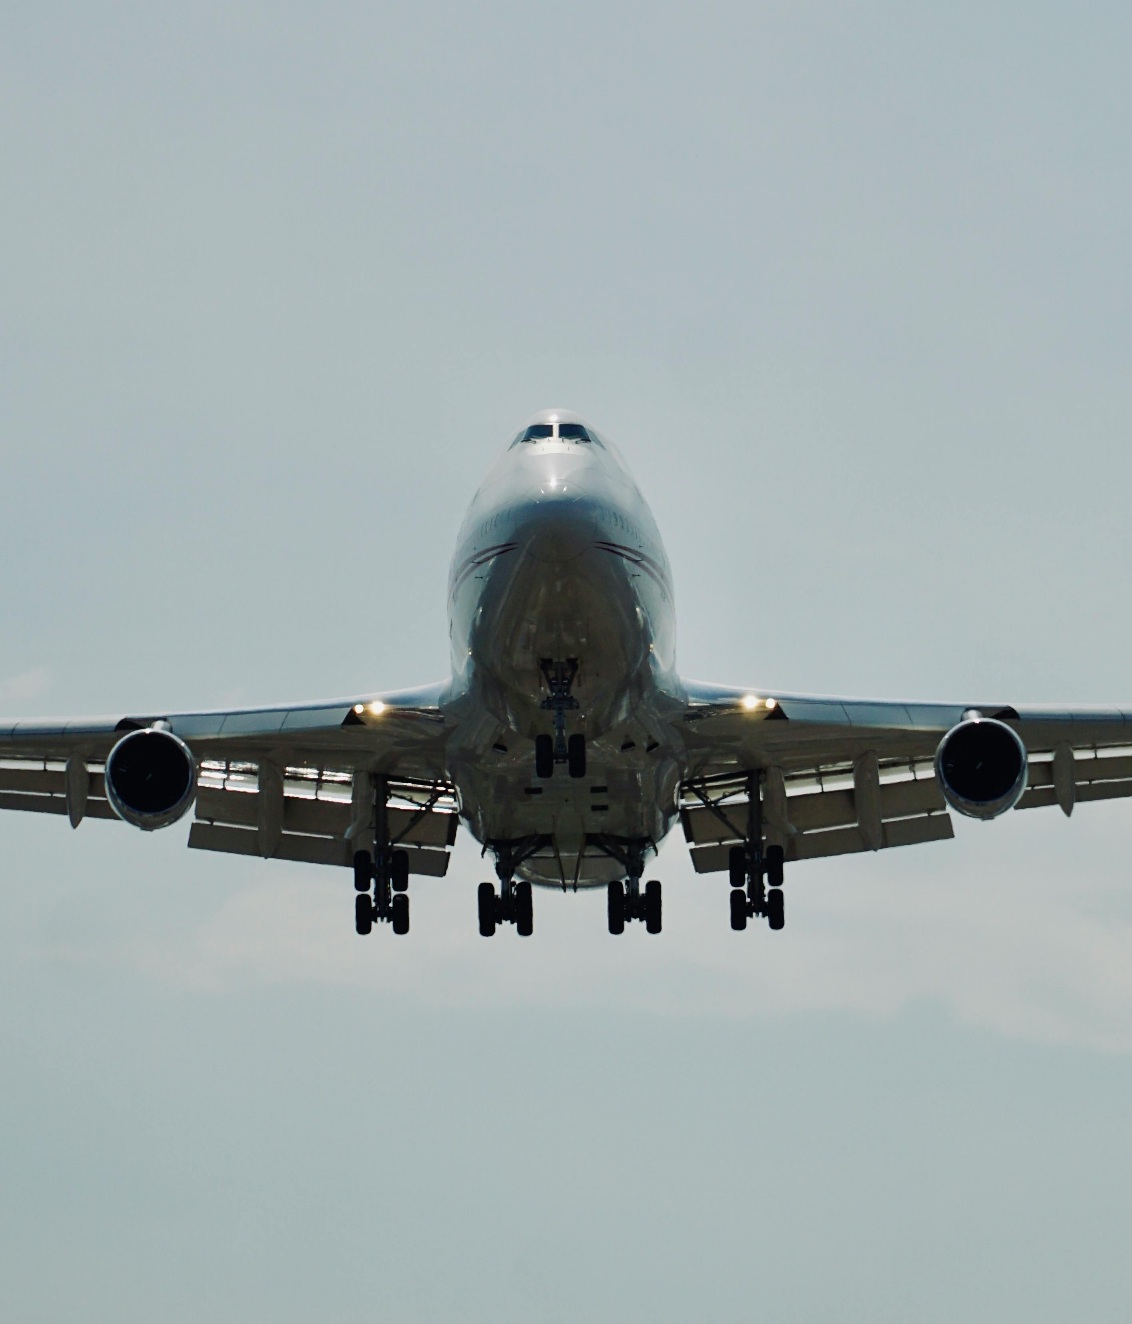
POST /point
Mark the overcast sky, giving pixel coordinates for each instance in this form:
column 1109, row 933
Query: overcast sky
column 849, row 284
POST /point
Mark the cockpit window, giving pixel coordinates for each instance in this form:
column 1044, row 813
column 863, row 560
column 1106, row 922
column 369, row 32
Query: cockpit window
column 537, row 432
column 572, row 432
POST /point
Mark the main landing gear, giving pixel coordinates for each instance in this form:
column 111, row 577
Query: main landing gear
column 750, row 864
column 549, row 750
column 389, row 877
column 513, row 903
column 749, row 897
column 385, row 870
column 627, row 900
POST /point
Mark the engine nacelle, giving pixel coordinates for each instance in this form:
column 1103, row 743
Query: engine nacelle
column 981, row 767
column 151, row 778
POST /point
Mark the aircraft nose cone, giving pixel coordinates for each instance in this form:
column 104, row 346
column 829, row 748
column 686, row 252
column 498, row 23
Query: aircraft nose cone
column 556, row 530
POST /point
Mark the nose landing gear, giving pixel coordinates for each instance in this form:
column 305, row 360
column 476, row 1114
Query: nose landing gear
column 549, row 750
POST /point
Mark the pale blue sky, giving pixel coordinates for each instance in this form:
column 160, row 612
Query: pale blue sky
column 850, row 287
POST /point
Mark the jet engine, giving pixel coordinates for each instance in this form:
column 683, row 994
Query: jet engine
column 981, row 767
column 151, row 778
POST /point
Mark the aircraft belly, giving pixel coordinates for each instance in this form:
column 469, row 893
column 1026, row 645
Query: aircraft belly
column 633, row 802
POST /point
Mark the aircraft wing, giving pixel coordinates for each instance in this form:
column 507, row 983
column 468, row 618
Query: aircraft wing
column 844, row 775
column 291, row 782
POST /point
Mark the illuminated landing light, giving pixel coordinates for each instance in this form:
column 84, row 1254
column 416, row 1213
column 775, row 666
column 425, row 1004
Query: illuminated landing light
column 771, row 703
column 750, row 702
column 376, row 708
column 359, row 708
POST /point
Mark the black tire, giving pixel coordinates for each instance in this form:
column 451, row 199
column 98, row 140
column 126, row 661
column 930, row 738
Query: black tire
column 544, row 757
column 774, row 859
column 400, row 913
column 737, row 866
column 524, row 910
column 652, row 906
column 576, row 756
column 486, row 898
column 738, row 909
column 775, row 910
column 617, row 908
column 363, row 872
column 399, row 870
column 363, row 913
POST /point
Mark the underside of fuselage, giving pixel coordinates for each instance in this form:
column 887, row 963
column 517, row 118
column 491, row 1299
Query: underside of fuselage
column 559, row 578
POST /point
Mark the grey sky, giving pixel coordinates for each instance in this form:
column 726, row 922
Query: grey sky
column 849, row 285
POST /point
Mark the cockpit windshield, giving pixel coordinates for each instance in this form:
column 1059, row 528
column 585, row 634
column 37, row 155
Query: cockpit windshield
column 575, row 432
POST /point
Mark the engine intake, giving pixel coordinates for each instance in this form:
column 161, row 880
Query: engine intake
column 981, row 766
column 151, row 778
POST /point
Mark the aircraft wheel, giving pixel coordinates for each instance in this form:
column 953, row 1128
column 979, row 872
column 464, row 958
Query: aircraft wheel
column 400, row 870
column 544, row 757
column 363, row 871
column 524, row 910
column 576, row 756
column 774, row 858
column 775, row 910
column 486, row 898
column 738, row 909
column 652, row 906
column 363, row 913
column 617, row 907
column 400, row 913
column 737, row 866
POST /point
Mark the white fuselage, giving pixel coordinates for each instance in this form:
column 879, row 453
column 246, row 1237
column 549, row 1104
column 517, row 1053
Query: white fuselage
column 559, row 558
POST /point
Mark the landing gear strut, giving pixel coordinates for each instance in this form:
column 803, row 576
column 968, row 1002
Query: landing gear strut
column 513, row 903
column 385, row 870
column 549, row 750
column 749, row 864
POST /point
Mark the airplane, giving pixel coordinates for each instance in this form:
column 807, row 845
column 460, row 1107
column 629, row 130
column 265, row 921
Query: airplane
column 564, row 739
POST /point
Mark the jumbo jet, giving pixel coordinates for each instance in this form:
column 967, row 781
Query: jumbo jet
column 564, row 739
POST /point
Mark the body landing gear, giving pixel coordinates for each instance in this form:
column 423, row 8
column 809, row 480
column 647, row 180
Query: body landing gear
column 513, row 903
column 628, row 902
column 514, row 906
